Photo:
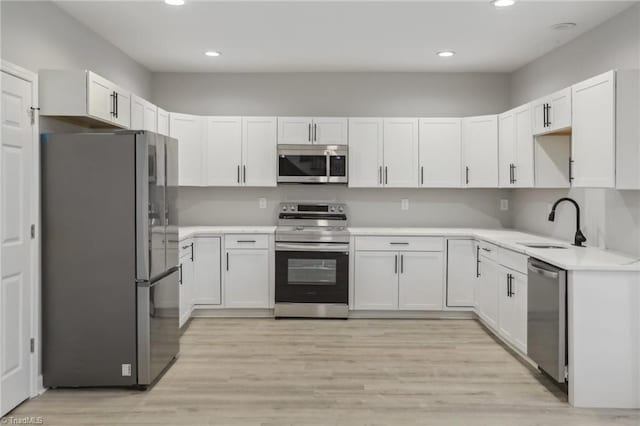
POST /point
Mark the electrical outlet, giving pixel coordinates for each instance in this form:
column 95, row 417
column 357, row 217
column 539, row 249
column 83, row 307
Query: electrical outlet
column 504, row 204
column 262, row 202
column 404, row 204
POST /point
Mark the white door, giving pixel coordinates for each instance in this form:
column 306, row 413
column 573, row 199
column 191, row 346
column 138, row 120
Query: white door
column 505, row 304
column 365, row 152
column 440, row 153
column 539, row 116
column 259, row 151
column 461, row 272
column 560, row 109
column 593, row 133
column 162, row 122
column 15, row 288
column 421, row 281
column 189, row 130
column 137, row 113
column 519, row 313
column 295, row 130
column 206, row 257
column 480, row 147
column 330, row 131
column 224, row 151
column 523, row 172
column 376, row 280
column 506, row 148
column 122, row 115
column 101, row 102
column 187, row 284
column 488, row 288
column 246, row 279
column 150, row 117
column 400, row 152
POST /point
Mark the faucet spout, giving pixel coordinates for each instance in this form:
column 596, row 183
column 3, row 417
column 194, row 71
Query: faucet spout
column 579, row 238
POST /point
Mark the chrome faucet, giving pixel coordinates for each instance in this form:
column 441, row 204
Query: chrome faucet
column 579, row 238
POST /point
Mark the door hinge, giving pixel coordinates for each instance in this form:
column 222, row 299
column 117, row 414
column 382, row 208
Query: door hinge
column 32, row 345
column 32, row 111
column 33, row 232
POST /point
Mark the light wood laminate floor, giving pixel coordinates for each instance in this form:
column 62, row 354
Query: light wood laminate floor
column 355, row 372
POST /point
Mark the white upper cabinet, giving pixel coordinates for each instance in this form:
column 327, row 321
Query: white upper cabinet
column 627, row 130
column 162, row 122
column 552, row 113
column 259, row 151
column 400, row 152
column 190, row 132
column 308, row 130
column 480, row 151
column 85, row 97
column 365, row 152
column 516, row 148
column 144, row 114
column 224, row 151
column 440, row 152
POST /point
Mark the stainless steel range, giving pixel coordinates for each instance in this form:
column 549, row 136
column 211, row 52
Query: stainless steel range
column 312, row 261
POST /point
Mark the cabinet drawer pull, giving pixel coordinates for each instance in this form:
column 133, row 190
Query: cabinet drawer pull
column 227, row 261
column 398, row 244
column 245, row 241
column 486, row 249
column 186, row 247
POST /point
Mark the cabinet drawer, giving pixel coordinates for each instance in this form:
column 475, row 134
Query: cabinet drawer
column 246, row 241
column 399, row 243
column 488, row 250
column 512, row 260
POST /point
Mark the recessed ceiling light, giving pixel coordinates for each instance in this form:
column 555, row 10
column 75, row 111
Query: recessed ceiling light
column 212, row 53
column 562, row 26
column 174, row 2
column 446, row 53
column 503, row 3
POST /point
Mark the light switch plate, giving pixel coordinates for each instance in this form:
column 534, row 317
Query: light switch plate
column 262, row 202
column 504, row 204
column 404, row 204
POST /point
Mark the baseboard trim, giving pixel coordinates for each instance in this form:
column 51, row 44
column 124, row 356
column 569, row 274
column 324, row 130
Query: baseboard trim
column 231, row 313
column 269, row 313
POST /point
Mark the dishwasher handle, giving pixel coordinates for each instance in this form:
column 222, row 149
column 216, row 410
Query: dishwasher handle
column 541, row 270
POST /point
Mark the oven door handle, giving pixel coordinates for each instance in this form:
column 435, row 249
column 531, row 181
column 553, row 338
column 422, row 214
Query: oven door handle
column 325, row 247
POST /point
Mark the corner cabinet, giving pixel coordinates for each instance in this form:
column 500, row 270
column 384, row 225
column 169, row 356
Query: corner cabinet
column 515, row 148
column 309, row 130
column 83, row 97
column 440, row 152
column 480, row 151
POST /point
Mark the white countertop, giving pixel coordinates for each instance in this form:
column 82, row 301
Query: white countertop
column 571, row 258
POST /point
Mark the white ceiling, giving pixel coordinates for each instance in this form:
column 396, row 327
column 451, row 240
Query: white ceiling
column 337, row 36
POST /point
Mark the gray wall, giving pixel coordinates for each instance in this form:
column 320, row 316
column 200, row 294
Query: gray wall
column 341, row 94
column 367, row 207
column 39, row 35
column 332, row 94
column 611, row 218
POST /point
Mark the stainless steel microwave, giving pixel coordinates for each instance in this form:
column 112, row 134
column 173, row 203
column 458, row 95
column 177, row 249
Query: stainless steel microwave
column 312, row 164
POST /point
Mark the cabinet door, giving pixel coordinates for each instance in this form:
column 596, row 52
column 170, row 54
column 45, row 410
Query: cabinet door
column 137, row 113
column 461, row 273
column 162, row 122
column 330, row 131
column 224, row 151
column 376, row 280
column 560, row 110
column 519, row 313
column 506, row 148
column 100, row 100
column 189, row 131
column 523, row 172
column 187, row 282
column 488, row 288
column 365, row 152
column 538, row 108
column 480, row 151
column 440, row 152
column 206, row 258
column 259, row 151
column 246, row 282
column 400, row 152
column 295, row 130
column 150, row 117
column 505, row 305
column 122, row 115
column 593, row 133
column 421, row 281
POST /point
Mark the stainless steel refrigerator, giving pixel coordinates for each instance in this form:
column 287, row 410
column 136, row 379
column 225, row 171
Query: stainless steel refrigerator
column 109, row 258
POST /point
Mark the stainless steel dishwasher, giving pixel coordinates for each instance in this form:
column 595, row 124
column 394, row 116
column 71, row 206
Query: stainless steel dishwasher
column 547, row 318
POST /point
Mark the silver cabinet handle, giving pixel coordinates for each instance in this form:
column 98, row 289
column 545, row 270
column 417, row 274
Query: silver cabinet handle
column 393, row 243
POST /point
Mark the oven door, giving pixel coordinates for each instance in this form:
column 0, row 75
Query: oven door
column 309, row 276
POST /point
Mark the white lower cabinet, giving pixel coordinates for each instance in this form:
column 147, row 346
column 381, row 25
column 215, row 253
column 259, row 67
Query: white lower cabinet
column 207, row 270
column 187, row 281
column 461, row 273
column 512, row 302
column 487, row 288
column 396, row 279
column 246, row 278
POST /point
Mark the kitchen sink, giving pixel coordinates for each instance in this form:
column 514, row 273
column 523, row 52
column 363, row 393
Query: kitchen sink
column 543, row 246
